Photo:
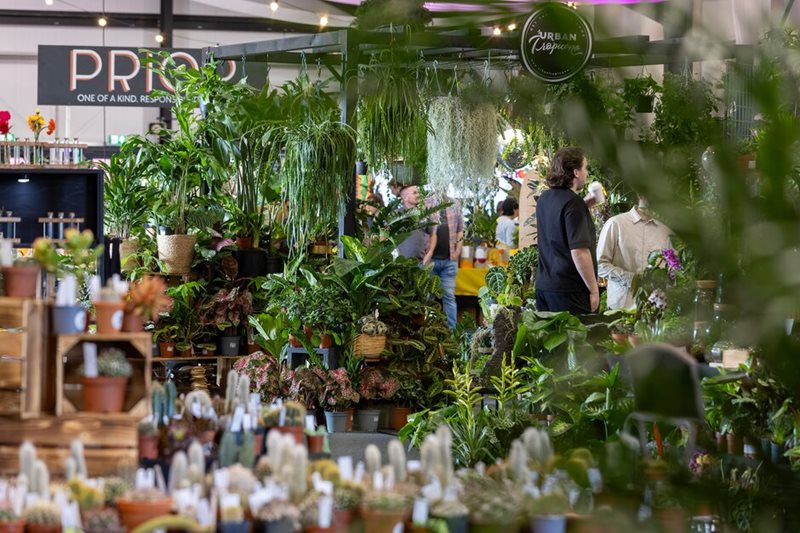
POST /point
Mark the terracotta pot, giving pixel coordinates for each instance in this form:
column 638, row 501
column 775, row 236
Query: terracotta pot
column 317, row 529
column 297, row 432
column 253, row 348
column 20, row 281
column 103, row 394
column 672, row 520
column 351, row 413
column 722, row 446
column 185, row 353
column 109, row 316
column 309, row 331
column 294, row 342
column 398, row 417
column 244, row 243
column 148, row 447
column 619, row 338
column 207, row 351
column 315, row 443
column 42, row 528
column 166, row 349
column 132, row 323
column 381, row 521
column 735, row 444
column 342, row 518
column 132, row 513
column 17, row 526
column 325, row 340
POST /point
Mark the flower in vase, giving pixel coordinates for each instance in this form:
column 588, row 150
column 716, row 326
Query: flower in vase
column 36, row 123
column 51, row 126
column 5, row 122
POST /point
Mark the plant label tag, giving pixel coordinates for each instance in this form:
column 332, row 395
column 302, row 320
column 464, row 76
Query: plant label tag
column 221, row 479
column 316, row 480
column 358, row 475
column 419, row 516
column 116, row 319
column 282, row 417
column 238, row 416
column 325, row 511
column 326, row 488
column 377, row 481
column 90, row 359
column 246, row 423
column 346, row 467
column 595, row 479
column 432, row 491
column 231, row 500
column 413, row 465
column 196, row 409
column 311, row 422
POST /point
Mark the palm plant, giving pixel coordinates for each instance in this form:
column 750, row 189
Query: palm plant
column 126, row 197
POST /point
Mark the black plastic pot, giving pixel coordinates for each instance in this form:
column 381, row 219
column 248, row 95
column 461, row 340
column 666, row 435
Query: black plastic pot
column 165, row 230
column 69, row 319
column 274, row 264
column 644, row 104
column 277, row 526
column 776, row 453
column 234, row 527
column 229, row 345
column 457, row 524
column 252, row 263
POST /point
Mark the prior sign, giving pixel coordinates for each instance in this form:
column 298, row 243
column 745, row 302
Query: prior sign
column 556, row 43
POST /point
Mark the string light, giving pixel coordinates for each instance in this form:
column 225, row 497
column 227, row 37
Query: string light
column 323, row 21
column 512, row 27
column 497, row 30
column 102, row 22
column 159, row 38
column 273, row 5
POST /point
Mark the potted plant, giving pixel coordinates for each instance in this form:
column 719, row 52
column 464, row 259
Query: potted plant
column 453, row 512
column 227, row 310
column 139, row 506
column 346, row 501
column 42, row 517
column 372, row 386
column 371, row 340
column 382, row 511
column 409, row 391
column 277, row 517
column 336, row 396
column 109, row 309
column 640, row 93
column 232, row 520
column 145, row 301
column 20, row 278
column 330, row 312
column 105, row 393
column 147, row 438
column 104, row 520
column 294, row 418
column 317, row 439
column 166, row 337
column 10, row 522
column 547, row 513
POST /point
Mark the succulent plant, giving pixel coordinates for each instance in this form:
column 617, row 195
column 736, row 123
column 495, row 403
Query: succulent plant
column 448, row 509
column 348, row 495
column 373, row 457
column 277, row 510
column 7, row 514
column 270, row 417
column 262, row 469
column 298, row 481
column 178, row 472
column 101, row 521
column 112, row 363
column 553, row 504
column 241, row 480
column 27, row 462
column 232, row 514
column 309, row 510
column 145, row 495
column 87, row 496
column 397, row 458
column 371, row 325
column 385, row 501
column 43, row 513
column 295, row 414
column 328, row 471
column 113, row 488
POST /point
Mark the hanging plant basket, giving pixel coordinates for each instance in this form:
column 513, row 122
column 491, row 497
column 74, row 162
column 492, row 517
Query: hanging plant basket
column 462, row 145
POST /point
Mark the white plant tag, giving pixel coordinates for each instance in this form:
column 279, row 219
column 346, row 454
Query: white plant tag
column 413, row 465
column 311, row 422
column 326, row 488
column 282, row 417
column 89, row 359
column 221, row 479
column 6, row 253
column 325, row 512
column 595, row 479
column 358, row 475
column 419, row 515
column 346, row 467
column 316, row 481
column 377, row 480
column 236, row 422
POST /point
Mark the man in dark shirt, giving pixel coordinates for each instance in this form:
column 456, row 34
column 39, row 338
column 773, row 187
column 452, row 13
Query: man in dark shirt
column 566, row 277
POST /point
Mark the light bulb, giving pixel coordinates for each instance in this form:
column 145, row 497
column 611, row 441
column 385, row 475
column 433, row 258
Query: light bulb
column 497, row 31
column 159, row 38
column 102, row 22
column 512, row 27
column 273, row 6
column 323, row 21
column 48, row 2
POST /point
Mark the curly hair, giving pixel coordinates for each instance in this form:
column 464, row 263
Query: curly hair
column 562, row 170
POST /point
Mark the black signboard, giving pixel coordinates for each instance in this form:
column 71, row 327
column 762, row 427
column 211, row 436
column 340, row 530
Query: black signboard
column 93, row 75
column 556, row 42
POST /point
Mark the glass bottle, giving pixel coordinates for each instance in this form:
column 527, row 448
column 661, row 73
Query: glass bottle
column 722, row 338
column 703, row 312
column 26, row 151
column 77, row 153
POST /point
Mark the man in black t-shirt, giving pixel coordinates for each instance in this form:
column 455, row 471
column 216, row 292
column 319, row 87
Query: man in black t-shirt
column 566, row 277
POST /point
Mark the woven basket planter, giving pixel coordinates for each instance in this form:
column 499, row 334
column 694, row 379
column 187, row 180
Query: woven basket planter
column 369, row 346
column 177, row 252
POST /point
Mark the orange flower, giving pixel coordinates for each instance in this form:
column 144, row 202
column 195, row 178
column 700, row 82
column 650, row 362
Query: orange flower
column 51, row 126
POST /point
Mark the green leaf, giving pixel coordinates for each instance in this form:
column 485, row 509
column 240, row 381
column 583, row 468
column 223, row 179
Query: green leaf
column 555, row 340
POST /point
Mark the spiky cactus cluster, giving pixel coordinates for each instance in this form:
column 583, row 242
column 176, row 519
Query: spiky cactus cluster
column 112, row 363
column 232, row 514
column 328, row 471
column 397, row 458
column 75, row 464
column 538, row 447
column 113, row 488
column 231, row 453
column 277, row 510
column 43, row 513
column 295, row 414
column 7, row 514
column 178, row 472
column 436, row 456
column 373, row 458
column 163, row 398
column 347, row 495
column 102, row 520
column 241, row 480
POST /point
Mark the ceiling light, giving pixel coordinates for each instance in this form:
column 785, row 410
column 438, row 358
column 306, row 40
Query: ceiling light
column 323, row 21
column 512, row 27
column 273, row 5
column 102, row 22
column 159, row 38
column 497, row 30
column 26, row 179
column 48, row 2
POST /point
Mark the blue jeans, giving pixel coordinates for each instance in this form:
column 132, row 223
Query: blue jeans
column 446, row 270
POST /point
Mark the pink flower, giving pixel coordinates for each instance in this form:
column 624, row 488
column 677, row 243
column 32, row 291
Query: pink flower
column 5, row 116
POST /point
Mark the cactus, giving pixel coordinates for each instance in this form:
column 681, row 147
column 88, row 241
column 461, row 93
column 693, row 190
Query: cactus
column 102, row 520
column 241, row 480
column 77, row 453
column 328, row 471
column 87, row 496
column 262, row 469
column 448, row 509
column 197, row 458
column 228, row 450
column 41, row 476
column 277, row 510
column 158, row 403
column 172, row 396
column 247, row 455
column 113, row 488
column 232, row 514
column 518, row 461
column 538, row 446
column 230, row 391
column 200, row 397
column 373, row 457
column 43, row 513
column 178, row 472
column 70, row 468
column 397, row 458
column 298, row 481
column 269, row 417
column 27, row 460
column 242, row 392
column 7, row 515
column 295, row 414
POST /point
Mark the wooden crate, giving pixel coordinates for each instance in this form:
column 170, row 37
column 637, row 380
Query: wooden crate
column 68, row 357
column 109, row 442
column 22, row 328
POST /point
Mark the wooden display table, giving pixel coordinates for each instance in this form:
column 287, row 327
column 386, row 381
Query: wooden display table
column 21, row 357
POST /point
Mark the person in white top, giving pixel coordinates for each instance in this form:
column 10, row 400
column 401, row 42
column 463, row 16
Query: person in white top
column 506, row 227
column 622, row 250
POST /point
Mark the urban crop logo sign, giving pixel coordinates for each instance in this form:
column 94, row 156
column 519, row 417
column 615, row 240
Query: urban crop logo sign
column 556, row 43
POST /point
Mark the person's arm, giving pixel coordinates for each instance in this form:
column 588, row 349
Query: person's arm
column 459, row 229
column 606, row 249
column 431, row 247
column 459, row 244
column 582, row 257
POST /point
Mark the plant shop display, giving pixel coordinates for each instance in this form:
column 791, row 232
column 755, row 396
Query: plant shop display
column 145, row 301
column 336, row 396
column 104, row 388
column 227, row 310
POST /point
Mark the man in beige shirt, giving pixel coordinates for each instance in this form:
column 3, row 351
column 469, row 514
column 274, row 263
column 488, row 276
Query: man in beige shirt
column 622, row 250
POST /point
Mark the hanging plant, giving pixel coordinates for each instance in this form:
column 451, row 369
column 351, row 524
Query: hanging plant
column 392, row 120
column 462, row 144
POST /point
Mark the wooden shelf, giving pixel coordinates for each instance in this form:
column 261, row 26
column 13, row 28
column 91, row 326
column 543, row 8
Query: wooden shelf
column 178, row 359
column 21, row 357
